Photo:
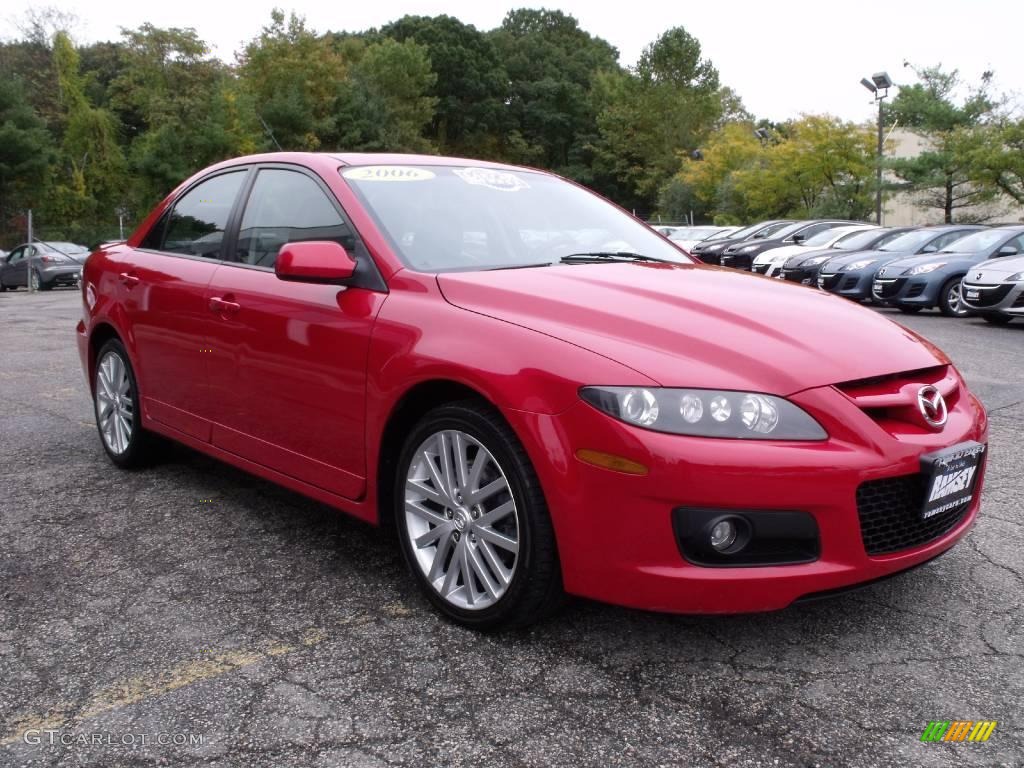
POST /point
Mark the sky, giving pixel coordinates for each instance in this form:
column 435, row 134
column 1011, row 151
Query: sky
column 784, row 58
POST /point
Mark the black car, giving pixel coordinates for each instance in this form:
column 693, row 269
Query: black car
column 52, row 264
column 803, row 268
column 934, row 279
column 710, row 251
column 741, row 255
column 851, row 275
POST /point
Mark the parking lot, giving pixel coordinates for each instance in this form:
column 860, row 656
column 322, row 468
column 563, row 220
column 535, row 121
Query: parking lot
column 248, row 626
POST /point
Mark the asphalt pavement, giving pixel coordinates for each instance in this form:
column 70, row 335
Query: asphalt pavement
column 190, row 614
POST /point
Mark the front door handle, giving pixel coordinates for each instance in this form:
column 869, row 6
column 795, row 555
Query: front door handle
column 223, row 307
column 129, row 279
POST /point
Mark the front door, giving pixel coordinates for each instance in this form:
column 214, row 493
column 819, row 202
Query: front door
column 288, row 360
column 15, row 272
column 163, row 290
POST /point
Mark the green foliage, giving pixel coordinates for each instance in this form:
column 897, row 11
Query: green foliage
column 945, row 176
column 26, row 151
column 814, row 166
column 383, row 106
column 469, row 86
column 997, row 159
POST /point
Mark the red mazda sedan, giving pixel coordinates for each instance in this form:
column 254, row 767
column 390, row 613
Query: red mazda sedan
column 538, row 392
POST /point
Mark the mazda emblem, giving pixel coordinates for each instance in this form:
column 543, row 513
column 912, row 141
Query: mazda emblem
column 978, row 276
column 932, row 405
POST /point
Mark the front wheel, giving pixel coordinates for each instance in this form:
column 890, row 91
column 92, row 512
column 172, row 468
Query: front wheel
column 472, row 521
column 951, row 303
column 117, row 404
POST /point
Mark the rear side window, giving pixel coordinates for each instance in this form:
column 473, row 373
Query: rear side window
column 198, row 220
column 287, row 207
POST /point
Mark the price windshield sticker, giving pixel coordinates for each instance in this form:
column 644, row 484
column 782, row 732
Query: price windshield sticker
column 485, row 177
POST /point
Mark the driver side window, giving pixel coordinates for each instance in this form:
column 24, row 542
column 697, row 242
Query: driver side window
column 287, row 207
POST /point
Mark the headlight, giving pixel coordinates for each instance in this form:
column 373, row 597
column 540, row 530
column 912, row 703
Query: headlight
column 921, row 269
column 1019, row 277
column 748, row 248
column 816, row 260
column 706, row 412
column 859, row 264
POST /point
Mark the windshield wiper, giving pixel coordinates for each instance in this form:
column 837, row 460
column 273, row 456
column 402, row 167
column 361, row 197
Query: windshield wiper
column 599, row 256
column 518, row 266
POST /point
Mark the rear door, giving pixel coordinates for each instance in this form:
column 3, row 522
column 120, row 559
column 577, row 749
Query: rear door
column 288, row 360
column 162, row 289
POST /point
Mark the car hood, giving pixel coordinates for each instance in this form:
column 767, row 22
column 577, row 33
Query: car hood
column 697, row 326
column 848, row 257
column 950, row 259
column 781, row 253
column 996, row 270
column 799, row 257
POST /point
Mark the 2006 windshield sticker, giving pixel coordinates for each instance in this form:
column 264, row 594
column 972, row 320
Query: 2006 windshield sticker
column 503, row 181
column 388, row 173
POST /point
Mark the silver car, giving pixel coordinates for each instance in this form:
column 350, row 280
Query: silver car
column 994, row 289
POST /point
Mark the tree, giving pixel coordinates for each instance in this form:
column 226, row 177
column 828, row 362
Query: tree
column 728, row 151
column 943, row 175
column 650, row 117
column 551, row 65
column 26, row 151
column 470, row 83
column 91, row 180
column 998, row 159
column 293, row 76
column 385, row 106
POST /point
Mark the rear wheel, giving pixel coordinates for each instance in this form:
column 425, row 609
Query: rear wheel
column 116, row 403
column 951, row 303
column 997, row 319
column 472, row 520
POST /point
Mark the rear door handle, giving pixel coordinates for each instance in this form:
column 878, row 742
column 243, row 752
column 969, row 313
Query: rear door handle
column 129, row 279
column 223, row 307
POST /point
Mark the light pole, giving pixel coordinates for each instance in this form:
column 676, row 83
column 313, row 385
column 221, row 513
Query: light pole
column 879, row 85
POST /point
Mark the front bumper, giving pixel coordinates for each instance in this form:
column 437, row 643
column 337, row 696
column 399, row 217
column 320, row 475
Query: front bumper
column 919, row 291
column 738, row 260
column 802, row 275
column 615, row 531
column 855, row 285
column 1000, row 298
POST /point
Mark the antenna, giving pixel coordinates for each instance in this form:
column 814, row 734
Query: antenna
column 270, row 133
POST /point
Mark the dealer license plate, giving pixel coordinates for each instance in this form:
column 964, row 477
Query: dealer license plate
column 952, row 477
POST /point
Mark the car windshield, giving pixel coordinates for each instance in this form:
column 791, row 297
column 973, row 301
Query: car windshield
column 911, row 241
column 822, row 238
column 463, row 218
column 777, row 229
column 977, row 242
column 856, row 241
column 65, row 247
column 694, row 233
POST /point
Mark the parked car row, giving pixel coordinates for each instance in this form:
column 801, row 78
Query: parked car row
column 52, row 264
column 958, row 268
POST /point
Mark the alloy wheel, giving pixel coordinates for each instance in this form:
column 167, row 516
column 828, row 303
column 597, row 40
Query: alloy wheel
column 954, row 300
column 33, row 280
column 115, row 407
column 461, row 520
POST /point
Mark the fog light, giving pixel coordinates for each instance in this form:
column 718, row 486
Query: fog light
column 723, row 535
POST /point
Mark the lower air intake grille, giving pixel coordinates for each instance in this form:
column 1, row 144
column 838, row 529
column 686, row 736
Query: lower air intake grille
column 890, row 515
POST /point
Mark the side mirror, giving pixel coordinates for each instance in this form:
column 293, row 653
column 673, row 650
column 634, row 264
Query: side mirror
column 930, row 249
column 1007, row 250
column 798, row 238
column 315, row 261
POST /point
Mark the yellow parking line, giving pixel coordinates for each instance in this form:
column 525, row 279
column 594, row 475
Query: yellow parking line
column 136, row 689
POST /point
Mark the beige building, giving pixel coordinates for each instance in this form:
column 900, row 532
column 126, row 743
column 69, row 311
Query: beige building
column 901, row 210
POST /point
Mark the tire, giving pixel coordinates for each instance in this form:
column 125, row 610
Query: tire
column 525, row 584
column 909, row 310
column 950, row 302
column 997, row 319
column 35, row 283
column 129, row 451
